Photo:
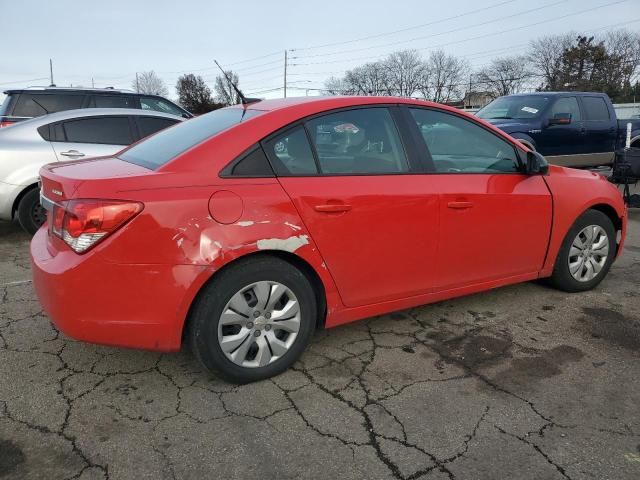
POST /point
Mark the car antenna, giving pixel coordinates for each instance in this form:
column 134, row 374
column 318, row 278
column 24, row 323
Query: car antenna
column 244, row 100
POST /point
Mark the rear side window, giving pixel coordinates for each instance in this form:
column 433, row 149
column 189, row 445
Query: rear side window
column 5, row 105
column 114, row 101
column 104, row 130
column 595, row 108
column 157, row 150
column 292, row 153
column 150, row 125
column 34, row 105
column 159, row 105
column 253, row 164
column 361, row 142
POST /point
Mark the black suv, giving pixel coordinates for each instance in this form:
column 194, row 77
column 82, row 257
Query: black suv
column 36, row 101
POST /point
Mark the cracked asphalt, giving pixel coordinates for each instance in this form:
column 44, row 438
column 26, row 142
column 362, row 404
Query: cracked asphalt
column 523, row 382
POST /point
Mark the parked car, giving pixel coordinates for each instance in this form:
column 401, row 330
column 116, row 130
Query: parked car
column 243, row 230
column 59, row 137
column 22, row 104
column 576, row 129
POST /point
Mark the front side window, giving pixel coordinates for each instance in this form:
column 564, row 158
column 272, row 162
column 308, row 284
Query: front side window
column 159, row 149
column 566, row 105
column 104, row 130
column 150, row 125
column 292, row 153
column 458, row 145
column 361, row 142
column 159, row 105
column 595, row 108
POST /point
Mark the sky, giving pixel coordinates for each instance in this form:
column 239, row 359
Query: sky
column 107, row 42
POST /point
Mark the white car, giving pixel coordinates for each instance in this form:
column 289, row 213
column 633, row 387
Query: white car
column 59, row 137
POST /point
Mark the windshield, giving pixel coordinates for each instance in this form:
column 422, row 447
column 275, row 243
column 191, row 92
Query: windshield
column 168, row 144
column 516, row 107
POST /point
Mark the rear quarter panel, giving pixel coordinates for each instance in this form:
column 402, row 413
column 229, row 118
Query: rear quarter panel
column 574, row 192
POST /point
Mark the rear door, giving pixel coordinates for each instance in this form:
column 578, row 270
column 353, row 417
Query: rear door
column 85, row 137
column 494, row 220
column 600, row 126
column 362, row 198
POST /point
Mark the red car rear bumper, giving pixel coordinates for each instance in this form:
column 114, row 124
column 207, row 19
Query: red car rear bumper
column 127, row 305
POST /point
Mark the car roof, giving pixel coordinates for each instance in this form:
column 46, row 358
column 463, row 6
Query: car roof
column 106, row 90
column 91, row 112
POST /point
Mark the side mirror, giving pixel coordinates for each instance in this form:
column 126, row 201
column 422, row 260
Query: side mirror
column 560, row 119
column 536, row 164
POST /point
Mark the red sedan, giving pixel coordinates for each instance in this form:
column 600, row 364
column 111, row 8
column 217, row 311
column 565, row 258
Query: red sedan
column 242, row 231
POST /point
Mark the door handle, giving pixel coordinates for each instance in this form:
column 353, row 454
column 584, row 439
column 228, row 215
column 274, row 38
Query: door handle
column 72, row 153
column 332, row 208
column 460, row 205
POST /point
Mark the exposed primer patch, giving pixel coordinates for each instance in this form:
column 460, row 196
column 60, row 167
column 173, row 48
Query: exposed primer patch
column 294, row 227
column 245, row 223
column 290, row 244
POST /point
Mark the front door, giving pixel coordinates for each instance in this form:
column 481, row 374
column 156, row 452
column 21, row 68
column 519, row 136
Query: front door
column 356, row 191
column 556, row 140
column 495, row 221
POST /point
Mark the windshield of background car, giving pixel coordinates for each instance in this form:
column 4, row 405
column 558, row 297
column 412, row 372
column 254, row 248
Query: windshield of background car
column 516, row 107
column 158, row 149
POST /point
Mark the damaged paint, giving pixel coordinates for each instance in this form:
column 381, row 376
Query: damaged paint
column 292, row 226
column 290, row 244
column 245, row 223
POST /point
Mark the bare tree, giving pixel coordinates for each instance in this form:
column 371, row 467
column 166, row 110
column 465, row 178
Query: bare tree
column 404, row 73
column 623, row 57
column 150, row 83
column 194, row 94
column 369, row 79
column 504, row 76
column 443, row 77
column 224, row 91
column 546, row 57
column 337, row 86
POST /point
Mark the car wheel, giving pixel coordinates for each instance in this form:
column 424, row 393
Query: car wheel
column 586, row 254
column 253, row 320
column 31, row 215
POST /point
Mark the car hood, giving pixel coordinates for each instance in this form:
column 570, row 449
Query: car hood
column 510, row 125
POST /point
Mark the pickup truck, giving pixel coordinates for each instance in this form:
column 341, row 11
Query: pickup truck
column 572, row 129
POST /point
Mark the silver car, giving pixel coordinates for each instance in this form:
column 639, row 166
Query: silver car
column 59, row 137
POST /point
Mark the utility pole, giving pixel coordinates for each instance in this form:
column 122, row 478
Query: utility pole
column 51, row 72
column 137, row 84
column 285, row 74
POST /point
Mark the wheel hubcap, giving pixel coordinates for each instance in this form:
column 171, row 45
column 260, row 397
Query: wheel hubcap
column 588, row 254
column 259, row 324
column 38, row 214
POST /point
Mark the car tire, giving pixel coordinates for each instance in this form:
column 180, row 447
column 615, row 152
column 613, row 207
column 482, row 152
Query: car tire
column 571, row 270
column 228, row 314
column 31, row 215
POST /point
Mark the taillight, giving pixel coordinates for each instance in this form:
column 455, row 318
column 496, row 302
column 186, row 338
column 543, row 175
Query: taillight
column 84, row 223
column 6, row 123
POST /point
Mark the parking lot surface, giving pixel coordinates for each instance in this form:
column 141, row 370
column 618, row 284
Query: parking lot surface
column 523, row 382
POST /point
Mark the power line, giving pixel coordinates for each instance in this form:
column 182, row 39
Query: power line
column 472, row 38
column 434, row 34
column 369, row 37
column 25, row 81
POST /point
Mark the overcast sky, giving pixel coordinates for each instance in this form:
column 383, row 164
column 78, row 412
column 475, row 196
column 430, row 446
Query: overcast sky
column 110, row 40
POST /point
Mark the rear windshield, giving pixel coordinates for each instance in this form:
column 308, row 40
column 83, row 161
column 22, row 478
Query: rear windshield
column 168, row 144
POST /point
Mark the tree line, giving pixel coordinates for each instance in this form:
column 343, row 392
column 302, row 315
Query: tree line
column 556, row 62
column 609, row 64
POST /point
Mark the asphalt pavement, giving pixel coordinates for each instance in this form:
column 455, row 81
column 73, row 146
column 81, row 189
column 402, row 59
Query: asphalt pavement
column 523, row 382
